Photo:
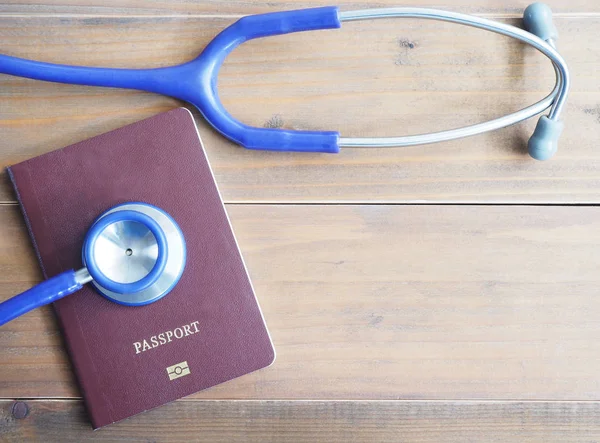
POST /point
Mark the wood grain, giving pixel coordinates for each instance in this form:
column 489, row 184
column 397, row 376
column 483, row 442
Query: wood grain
column 314, row 422
column 376, row 311
column 369, row 79
column 383, row 302
column 165, row 7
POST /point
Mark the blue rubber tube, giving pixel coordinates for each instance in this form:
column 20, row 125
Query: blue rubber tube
column 196, row 81
column 45, row 293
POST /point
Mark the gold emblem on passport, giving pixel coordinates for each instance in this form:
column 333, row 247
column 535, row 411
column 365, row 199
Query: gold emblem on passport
column 178, row 370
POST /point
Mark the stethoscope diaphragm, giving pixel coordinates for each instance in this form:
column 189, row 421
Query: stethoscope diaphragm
column 133, row 254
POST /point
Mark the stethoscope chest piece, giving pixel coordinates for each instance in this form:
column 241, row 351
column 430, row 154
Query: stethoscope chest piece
column 135, row 254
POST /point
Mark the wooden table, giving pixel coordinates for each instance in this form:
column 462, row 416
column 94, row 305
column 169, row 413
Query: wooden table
column 434, row 293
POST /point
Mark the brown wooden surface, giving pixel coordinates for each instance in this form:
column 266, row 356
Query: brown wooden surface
column 384, row 302
column 392, row 322
column 314, row 422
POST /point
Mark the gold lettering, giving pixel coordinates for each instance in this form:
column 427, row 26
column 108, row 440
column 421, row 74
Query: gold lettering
column 196, row 325
column 166, row 337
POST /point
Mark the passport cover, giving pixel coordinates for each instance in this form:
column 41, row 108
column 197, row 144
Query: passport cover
column 207, row 330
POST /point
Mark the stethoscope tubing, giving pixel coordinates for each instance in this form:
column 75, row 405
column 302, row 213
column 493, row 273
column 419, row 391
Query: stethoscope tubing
column 43, row 293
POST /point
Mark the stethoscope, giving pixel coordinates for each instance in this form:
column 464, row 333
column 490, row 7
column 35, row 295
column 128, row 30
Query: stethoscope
column 196, row 81
column 133, row 254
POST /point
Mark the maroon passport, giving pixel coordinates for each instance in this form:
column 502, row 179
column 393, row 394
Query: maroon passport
column 208, row 330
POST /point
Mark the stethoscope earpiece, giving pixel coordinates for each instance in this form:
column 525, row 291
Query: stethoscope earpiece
column 543, row 144
column 537, row 19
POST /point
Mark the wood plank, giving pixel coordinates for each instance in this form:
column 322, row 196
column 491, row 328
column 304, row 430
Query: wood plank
column 165, row 7
column 383, row 302
column 314, row 422
column 367, row 80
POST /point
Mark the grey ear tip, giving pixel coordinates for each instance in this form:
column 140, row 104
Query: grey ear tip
column 544, row 141
column 542, row 149
column 537, row 11
column 537, row 19
column 538, row 6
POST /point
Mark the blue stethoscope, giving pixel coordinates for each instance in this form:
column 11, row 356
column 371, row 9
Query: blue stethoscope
column 196, row 81
column 134, row 254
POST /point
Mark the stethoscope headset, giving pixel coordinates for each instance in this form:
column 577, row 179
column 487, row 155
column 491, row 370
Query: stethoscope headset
column 196, row 81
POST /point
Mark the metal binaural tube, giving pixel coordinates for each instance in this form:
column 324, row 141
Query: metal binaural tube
column 82, row 276
column 556, row 99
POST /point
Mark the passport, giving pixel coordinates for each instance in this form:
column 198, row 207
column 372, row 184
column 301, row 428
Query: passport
column 209, row 329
